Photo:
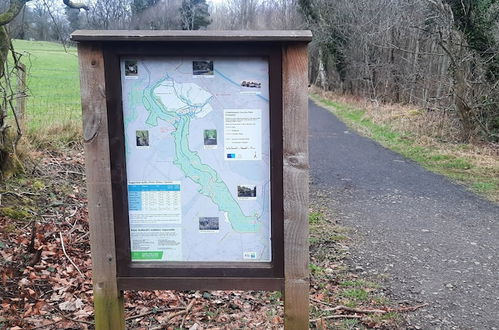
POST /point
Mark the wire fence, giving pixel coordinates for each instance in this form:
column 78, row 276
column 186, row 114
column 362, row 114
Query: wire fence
column 52, row 84
column 53, row 98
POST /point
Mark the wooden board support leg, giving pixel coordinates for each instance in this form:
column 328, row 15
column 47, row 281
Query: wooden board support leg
column 108, row 300
column 295, row 143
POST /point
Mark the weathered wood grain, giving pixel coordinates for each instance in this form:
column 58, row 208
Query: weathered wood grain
column 179, row 35
column 295, row 172
column 108, row 300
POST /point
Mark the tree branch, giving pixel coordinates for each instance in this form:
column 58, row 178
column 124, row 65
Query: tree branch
column 11, row 13
column 76, row 5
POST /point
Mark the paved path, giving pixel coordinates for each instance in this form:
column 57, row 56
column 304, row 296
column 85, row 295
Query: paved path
column 437, row 242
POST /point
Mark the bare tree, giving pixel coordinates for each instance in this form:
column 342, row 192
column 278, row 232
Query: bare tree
column 411, row 51
column 163, row 15
column 256, row 15
column 194, row 14
column 110, row 14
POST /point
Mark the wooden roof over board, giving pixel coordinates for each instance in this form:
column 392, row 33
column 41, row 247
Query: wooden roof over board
column 179, row 35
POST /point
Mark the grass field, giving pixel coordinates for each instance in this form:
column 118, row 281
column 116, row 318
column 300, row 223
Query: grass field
column 53, row 83
column 476, row 166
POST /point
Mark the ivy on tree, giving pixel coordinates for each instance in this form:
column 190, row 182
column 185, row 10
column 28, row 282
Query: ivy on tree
column 477, row 20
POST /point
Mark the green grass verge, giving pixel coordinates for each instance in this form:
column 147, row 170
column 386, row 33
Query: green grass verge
column 53, row 83
column 334, row 284
column 451, row 163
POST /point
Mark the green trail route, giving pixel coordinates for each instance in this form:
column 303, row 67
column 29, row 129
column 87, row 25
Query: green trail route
column 187, row 160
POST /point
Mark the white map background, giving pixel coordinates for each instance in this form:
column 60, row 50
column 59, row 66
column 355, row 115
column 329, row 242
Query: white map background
column 155, row 163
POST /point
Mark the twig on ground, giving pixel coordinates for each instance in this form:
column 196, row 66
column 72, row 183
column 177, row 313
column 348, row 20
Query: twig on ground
column 336, row 316
column 407, row 309
column 367, row 311
column 69, row 223
column 187, row 312
column 20, row 194
column 157, row 311
column 74, row 223
column 46, row 325
column 72, row 172
column 172, row 316
column 55, row 308
column 355, row 310
column 321, row 302
column 70, row 260
column 81, row 237
column 76, row 320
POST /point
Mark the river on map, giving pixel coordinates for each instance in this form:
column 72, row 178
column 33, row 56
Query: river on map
column 211, row 185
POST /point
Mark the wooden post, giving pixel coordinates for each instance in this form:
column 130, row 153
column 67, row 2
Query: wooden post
column 108, row 300
column 295, row 172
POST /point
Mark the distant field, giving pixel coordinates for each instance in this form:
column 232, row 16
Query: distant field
column 53, row 82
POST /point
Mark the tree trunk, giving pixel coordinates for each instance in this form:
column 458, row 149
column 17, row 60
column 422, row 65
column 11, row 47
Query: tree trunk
column 4, row 51
column 322, row 74
column 7, row 145
column 414, row 81
column 463, row 109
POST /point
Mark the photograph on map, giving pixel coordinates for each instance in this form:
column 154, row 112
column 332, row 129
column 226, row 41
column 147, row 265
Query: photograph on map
column 251, row 87
column 202, row 68
column 251, row 84
column 246, row 192
column 131, row 68
column 208, row 224
column 210, row 138
column 142, row 138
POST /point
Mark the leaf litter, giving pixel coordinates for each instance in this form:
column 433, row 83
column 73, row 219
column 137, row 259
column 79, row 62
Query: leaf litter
column 45, row 252
column 41, row 285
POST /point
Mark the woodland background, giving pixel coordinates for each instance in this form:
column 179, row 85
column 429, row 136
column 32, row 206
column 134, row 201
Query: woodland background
column 440, row 55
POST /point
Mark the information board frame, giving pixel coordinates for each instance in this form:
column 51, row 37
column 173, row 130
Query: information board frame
column 101, row 177
column 172, row 275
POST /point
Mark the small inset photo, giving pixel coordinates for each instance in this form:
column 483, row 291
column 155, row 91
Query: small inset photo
column 251, row 84
column 208, row 224
column 251, row 87
column 210, row 138
column 142, row 138
column 131, row 69
column 202, row 68
column 246, row 192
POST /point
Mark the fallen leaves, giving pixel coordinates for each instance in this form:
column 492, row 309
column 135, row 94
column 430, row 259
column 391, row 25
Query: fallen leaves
column 46, row 267
column 45, row 270
column 71, row 306
column 37, row 279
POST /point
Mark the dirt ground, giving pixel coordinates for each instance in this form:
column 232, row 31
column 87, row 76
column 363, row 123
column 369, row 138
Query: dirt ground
column 46, row 267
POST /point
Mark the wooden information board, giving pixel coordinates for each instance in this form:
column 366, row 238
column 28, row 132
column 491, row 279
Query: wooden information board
column 197, row 163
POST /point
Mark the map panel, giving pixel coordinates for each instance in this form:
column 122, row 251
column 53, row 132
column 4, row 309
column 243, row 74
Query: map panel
column 197, row 147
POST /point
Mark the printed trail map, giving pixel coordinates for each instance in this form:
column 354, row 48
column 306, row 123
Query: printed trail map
column 197, row 158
